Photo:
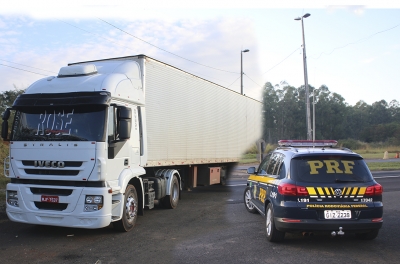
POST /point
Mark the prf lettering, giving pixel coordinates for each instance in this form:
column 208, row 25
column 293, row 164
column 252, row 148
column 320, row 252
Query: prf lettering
column 332, row 166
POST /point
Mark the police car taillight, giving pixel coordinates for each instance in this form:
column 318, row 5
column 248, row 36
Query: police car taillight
column 373, row 190
column 307, row 143
column 292, row 190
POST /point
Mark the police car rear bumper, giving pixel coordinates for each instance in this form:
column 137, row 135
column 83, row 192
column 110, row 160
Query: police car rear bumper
column 312, row 225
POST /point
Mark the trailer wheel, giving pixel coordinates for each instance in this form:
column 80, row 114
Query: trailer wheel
column 171, row 201
column 130, row 212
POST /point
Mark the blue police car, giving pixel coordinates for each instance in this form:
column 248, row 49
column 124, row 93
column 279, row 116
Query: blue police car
column 310, row 186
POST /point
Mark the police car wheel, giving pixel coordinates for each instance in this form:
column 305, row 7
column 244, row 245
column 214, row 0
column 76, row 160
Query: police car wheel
column 247, row 201
column 273, row 235
column 369, row 235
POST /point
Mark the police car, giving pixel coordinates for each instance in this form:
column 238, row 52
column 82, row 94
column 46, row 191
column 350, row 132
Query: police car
column 310, row 186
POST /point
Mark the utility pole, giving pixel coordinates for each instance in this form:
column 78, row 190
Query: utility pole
column 308, row 116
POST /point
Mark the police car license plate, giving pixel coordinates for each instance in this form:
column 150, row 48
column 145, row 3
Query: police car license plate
column 49, row 199
column 337, row 214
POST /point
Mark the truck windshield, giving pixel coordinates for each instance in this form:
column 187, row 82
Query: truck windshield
column 60, row 124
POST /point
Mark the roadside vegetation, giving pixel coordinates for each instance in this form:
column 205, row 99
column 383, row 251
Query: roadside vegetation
column 3, row 179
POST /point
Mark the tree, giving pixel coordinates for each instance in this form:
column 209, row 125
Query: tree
column 8, row 97
column 270, row 104
column 285, row 116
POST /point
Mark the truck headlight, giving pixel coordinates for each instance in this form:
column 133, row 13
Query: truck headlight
column 93, row 203
column 12, row 198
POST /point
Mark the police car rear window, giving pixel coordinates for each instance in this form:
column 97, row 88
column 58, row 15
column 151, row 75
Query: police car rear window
column 330, row 169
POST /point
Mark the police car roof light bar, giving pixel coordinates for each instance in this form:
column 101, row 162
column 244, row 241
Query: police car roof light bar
column 307, row 143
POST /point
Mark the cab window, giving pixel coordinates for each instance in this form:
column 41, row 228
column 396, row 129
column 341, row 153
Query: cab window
column 282, row 171
column 274, row 165
column 271, row 165
column 262, row 169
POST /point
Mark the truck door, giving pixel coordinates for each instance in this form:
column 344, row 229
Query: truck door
column 122, row 139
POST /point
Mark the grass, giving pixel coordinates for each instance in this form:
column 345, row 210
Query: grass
column 248, row 158
column 376, row 154
column 3, row 183
column 381, row 166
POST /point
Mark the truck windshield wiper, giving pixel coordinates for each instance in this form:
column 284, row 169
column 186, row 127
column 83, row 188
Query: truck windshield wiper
column 29, row 137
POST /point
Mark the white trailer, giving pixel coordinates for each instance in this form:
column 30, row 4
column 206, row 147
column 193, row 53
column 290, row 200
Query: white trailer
column 106, row 139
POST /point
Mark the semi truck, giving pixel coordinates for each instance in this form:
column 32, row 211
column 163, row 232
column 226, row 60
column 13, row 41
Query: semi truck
column 106, row 139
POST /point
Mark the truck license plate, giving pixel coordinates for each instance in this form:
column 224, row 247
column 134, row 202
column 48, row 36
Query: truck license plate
column 49, row 199
column 337, row 214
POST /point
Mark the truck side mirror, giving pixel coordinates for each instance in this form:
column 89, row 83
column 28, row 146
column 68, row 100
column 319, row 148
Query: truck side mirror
column 124, row 130
column 6, row 114
column 124, row 113
column 124, row 123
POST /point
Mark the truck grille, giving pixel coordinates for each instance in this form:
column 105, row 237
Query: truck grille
column 51, row 206
column 52, row 172
column 66, row 163
column 59, row 192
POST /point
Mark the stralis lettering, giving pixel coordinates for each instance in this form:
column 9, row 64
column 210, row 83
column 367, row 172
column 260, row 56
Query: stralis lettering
column 49, row 164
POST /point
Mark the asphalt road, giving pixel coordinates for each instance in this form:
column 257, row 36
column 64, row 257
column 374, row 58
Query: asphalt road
column 210, row 225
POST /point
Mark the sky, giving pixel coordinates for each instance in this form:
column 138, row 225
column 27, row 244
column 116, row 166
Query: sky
column 352, row 47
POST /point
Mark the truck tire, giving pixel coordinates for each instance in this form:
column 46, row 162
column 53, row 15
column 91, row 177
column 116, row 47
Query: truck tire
column 369, row 235
column 247, row 201
column 130, row 211
column 171, row 201
column 273, row 235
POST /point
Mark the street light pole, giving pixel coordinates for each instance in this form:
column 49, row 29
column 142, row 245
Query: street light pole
column 241, row 69
column 313, row 109
column 308, row 117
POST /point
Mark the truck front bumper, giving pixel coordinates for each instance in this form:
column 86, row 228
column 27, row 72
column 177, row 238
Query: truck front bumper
column 29, row 207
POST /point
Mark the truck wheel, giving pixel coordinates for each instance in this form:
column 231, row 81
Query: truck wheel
column 369, row 235
column 273, row 235
column 171, row 201
column 130, row 212
column 247, row 201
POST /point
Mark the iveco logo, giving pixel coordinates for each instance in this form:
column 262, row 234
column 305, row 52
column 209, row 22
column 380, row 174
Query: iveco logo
column 49, row 164
column 338, row 192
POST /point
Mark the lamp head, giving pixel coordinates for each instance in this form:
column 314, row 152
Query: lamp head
column 304, row 16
